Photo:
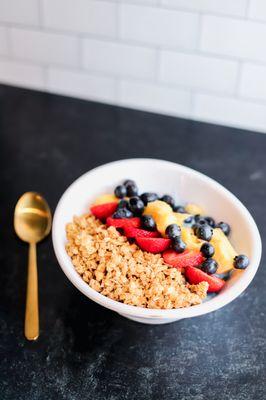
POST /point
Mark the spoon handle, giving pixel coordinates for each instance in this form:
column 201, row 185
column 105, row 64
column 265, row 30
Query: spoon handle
column 32, row 309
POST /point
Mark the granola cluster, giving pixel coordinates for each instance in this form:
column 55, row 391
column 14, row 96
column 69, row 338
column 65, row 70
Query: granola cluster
column 121, row 271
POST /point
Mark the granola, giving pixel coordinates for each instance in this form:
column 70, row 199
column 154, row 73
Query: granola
column 125, row 273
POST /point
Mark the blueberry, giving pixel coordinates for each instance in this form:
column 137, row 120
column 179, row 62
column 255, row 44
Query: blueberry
column 210, row 221
column 120, row 191
column 129, row 182
column 122, row 204
column 173, row 231
column 168, row 199
column 225, row 227
column 136, row 205
column 209, row 266
column 203, row 232
column 189, row 220
column 148, row 222
column 207, row 250
column 132, row 189
column 241, row 261
column 179, row 209
column 178, row 245
column 148, row 197
column 122, row 213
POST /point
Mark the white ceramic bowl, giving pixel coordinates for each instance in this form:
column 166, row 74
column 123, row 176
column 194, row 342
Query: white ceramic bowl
column 184, row 184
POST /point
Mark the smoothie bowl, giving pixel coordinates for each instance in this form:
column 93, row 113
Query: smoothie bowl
column 155, row 241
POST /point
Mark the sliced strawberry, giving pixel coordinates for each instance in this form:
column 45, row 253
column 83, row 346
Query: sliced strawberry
column 195, row 276
column 190, row 258
column 153, row 245
column 132, row 232
column 102, row 211
column 122, row 222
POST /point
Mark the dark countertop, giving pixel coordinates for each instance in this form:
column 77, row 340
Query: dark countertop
column 85, row 351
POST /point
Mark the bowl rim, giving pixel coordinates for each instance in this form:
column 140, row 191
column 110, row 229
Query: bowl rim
column 210, row 305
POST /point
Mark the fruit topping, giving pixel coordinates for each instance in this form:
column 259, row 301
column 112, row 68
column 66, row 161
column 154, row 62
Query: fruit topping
column 122, row 213
column 153, row 245
column 241, row 261
column 148, row 197
column 123, row 204
column 195, row 276
column 225, row 227
column 136, row 205
column 179, row 209
column 132, row 232
column 189, row 258
column 102, row 211
column 209, row 266
column 194, row 209
column 123, row 222
column 173, row 231
column 105, row 198
column 203, row 232
column 210, row 221
column 120, row 191
column 168, row 199
column 224, row 251
column 148, row 222
column 132, row 189
column 207, row 250
column 178, row 245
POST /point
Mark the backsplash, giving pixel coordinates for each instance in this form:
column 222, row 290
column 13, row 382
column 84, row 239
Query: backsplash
column 199, row 59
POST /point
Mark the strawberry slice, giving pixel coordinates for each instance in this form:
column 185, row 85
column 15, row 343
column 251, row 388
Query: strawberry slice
column 195, row 276
column 132, row 232
column 153, row 245
column 123, row 222
column 189, row 258
column 102, row 211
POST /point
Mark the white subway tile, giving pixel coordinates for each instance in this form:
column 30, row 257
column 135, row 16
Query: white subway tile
column 19, row 11
column 3, row 41
column 253, row 81
column 119, row 59
column 44, row 47
column 227, row 7
column 158, row 26
column 196, row 71
column 98, row 17
column 150, row 97
column 257, row 9
column 18, row 74
column 83, row 85
column 234, row 38
column 229, row 111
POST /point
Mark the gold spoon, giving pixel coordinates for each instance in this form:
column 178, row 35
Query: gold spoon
column 32, row 222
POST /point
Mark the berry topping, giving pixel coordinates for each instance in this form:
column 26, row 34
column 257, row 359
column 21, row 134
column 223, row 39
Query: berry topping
column 120, row 191
column 225, row 227
column 188, row 258
column 122, row 204
column 209, row 266
column 132, row 232
column 189, row 220
column 204, row 232
column 178, row 245
column 102, row 211
column 179, row 209
column 132, row 189
column 136, row 205
column 210, row 221
column 148, row 222
column 207, row 250
column 168, row 199
column 195, row 276
column 123, row 222
column 241, row 262
column 173, row 231
column 153, row 245
column 148, row 197
column 122, row 213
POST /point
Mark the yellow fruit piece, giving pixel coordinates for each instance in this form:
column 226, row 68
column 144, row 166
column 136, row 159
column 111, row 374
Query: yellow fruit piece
column 105, row 198
column 194, row 209
column 192, row 242
column 163, row 220
column 180, row 218
column 224, row 251
column 157, row 207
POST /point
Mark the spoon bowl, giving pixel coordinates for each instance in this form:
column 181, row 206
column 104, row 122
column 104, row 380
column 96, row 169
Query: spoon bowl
column 32, row 222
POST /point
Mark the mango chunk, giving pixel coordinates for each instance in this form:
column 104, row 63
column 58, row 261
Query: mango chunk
column 180, row 218
column 105, row 198
column 194, row 209
column 224, row 251
column 192, row 242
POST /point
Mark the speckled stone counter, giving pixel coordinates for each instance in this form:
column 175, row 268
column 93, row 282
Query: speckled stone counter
column 85, row 351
